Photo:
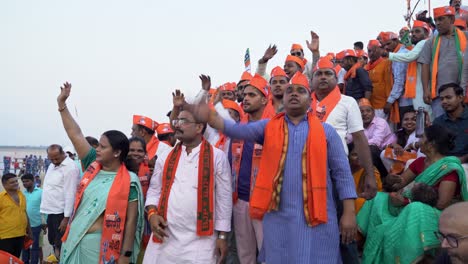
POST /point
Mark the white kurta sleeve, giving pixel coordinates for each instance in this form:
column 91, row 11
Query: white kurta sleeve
column 154, row 190
column 223, row 192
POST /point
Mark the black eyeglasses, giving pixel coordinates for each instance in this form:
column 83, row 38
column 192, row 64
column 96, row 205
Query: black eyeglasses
column 297, row 54
column 179, row 122
column 451, row 240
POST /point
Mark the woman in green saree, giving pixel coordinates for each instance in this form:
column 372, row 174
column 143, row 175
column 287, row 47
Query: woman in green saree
column 107, row 221
column 400, row 231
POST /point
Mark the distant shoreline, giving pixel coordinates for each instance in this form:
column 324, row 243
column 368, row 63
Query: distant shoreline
column 23, row 147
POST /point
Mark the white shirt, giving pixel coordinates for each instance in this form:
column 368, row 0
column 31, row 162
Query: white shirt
column 163, row 149
column 346, row 118
column 183, row 245
column 59, row 188
column 341, row 75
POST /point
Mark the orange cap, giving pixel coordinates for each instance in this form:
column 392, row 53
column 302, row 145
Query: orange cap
column 331, row 54
column 246, row 76
column 361, row 53
column 386, row 36
column 260, row 83
column 296, row 47
column 418, row 23
column 348, row 53
column 164, row 128
column 300, row 79
column 373, row 43
column 296, row 60
column 460, row 22
column 228, row 104
column 228, row 87
column 444, row 11
column 364, row 102
column 277, row 71
column 144, row 121
column 324, row 63
column 340, row 55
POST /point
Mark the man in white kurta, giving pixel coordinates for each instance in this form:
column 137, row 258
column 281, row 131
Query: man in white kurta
column 182, row 244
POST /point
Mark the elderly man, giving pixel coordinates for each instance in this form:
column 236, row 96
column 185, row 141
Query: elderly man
column 303, row 160
column 442, row 58
column 58, row 194
column 413, row 85
column 453, row 234
column 378, row 134
column 189, row 202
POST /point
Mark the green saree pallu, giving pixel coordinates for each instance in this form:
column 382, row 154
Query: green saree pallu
column 405, row 234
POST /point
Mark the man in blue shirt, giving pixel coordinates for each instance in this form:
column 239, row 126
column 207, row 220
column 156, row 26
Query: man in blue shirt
column 33, row 202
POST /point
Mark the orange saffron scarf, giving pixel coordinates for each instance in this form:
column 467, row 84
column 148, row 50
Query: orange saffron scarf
column 237, row 148
column 326, row 106
column 205, row 202
column 352, row 72
column 144, row 176
column 152, row 147
column 460, row 45
column 266, row 192
column 116, row 211
column 370, row 66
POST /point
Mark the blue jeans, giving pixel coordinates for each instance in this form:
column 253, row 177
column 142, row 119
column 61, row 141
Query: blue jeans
column 31, row 255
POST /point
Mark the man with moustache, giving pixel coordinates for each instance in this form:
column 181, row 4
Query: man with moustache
column 189, row 201
column 453, row 234
column 391, row 43
column 442, row 58
column 413, row 85
column 302, row 162
column 342, row 112
column 279, row 81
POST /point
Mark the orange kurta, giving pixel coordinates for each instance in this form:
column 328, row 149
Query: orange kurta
column 382, row 82
column 359, row 181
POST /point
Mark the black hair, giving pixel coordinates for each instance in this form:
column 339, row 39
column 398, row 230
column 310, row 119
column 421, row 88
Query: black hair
column 442, row 138
column 456, row 88
column 424, row 193
column 7, row 176
column 165, row 137
column 92, row 141
column 350, row 147
column 148, row 131
column 138, row 139
column 27, row 176
column 118, row 141
column 359, row 44
column 55, row 146
column 169, row 113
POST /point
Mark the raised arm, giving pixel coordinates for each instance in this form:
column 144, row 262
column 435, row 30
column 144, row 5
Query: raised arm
column 409, row 56
column 314, row 46
column 270, row 52
column 72, row 128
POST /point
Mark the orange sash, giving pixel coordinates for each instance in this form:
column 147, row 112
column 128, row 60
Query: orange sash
column 152, row 147
column 237, row 147
column 411, row 80
column 326, row 106
column 144, row 176
column 460, row 44
column 115, row 213
column 372, row 65
column 266, row 193
column 205, row 225
column 395, row 113
column 221, row 141
column 352, row 72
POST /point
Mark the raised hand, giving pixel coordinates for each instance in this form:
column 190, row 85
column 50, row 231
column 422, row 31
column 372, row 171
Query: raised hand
column 314, row 43
column 205, row 82
column 64, row 94
column 270, row 52
column 178, row 99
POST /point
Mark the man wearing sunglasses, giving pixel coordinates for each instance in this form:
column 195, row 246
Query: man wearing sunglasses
column 453, row 234
column 413, row 85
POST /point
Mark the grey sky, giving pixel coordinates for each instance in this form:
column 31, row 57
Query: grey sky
column 125, row 57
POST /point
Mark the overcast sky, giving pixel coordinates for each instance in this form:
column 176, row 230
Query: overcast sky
column 126, row 57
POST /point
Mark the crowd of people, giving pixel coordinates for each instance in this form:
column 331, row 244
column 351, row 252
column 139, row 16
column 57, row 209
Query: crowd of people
column 31, row 164
column 355, row 157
